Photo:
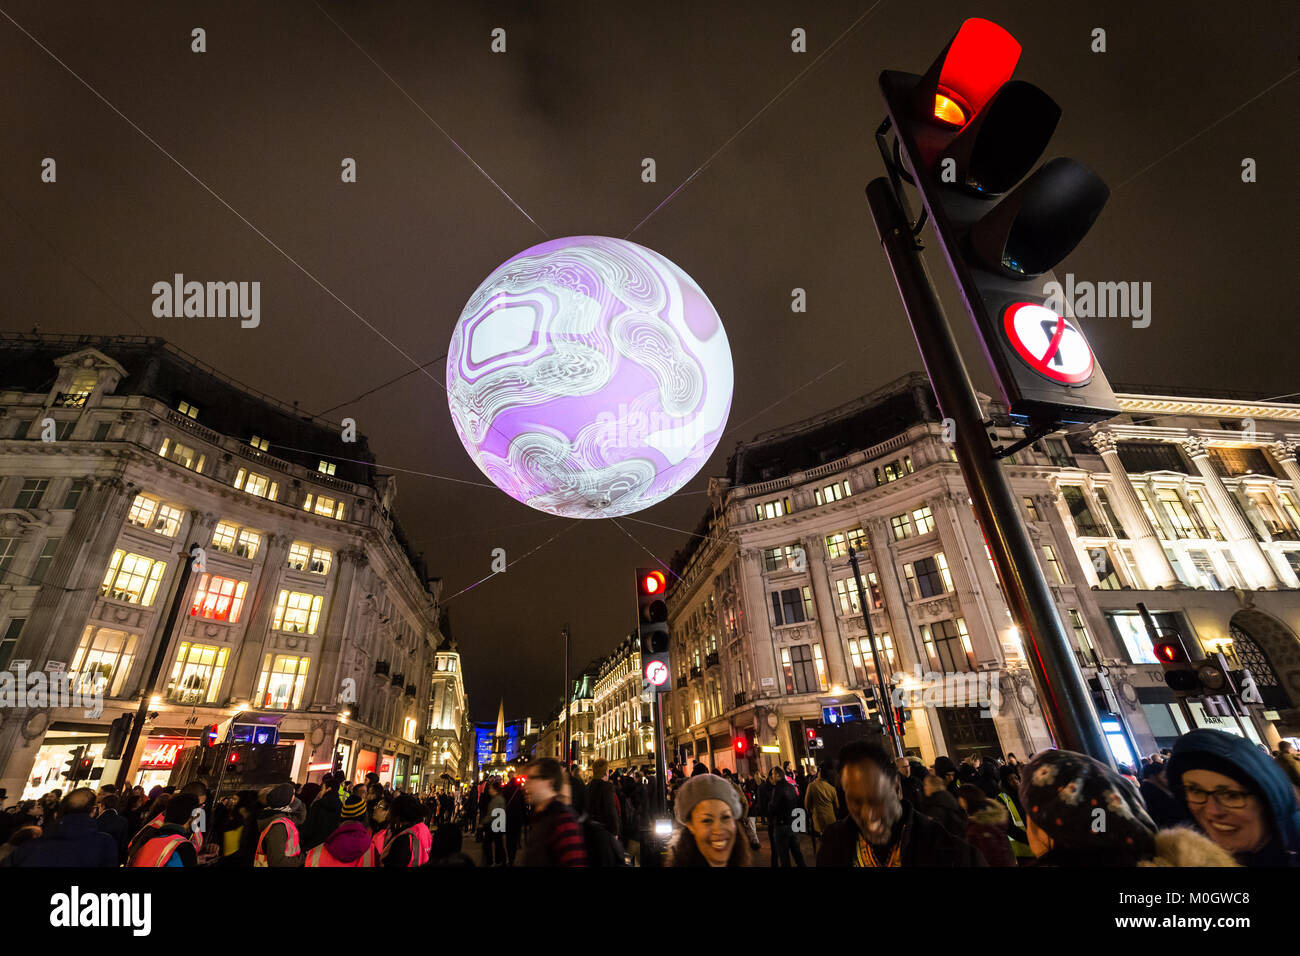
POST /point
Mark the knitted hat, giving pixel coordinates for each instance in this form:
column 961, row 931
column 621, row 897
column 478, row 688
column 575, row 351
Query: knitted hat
column 706, row 786
column 280, row 796
column 354, row 808
column 1084, row 805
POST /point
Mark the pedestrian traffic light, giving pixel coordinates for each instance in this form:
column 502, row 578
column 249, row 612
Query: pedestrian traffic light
column 73, row 764
column 741, row 746
column 901, row 716
column 1180, row 674
column 966, row 134
column 652, row 628
column 118, row 733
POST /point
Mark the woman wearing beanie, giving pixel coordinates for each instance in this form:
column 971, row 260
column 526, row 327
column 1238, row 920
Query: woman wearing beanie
column 986, row 825
column 349, row 843
column 1238, row 797
column 709, row 809
column 1081, row 813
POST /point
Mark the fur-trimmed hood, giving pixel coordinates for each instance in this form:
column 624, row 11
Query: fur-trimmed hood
column 1183, row 846
column 992, row 814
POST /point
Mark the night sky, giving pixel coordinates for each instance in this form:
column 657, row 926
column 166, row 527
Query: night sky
column 561, row 121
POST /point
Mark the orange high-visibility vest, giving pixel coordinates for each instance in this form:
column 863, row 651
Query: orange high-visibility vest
column 157, row 822
column 156, row 851
column 319, row 856
column 419, row 855
column 290, row 843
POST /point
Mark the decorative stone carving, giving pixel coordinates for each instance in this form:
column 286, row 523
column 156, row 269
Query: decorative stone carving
column 1194, row 447
column 1104, row 441
column 1284, row 450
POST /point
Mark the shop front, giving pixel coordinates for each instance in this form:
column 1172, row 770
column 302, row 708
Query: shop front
column 366, row 760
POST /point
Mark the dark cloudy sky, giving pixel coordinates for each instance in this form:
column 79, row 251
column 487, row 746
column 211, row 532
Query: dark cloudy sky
column 561, row 122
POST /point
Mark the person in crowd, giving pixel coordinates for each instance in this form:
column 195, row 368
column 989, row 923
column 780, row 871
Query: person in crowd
column 24, row 834
column 516, row 818
column 1009, row 795
column 324, row 812
column 987, row 778
column 909, row 781
column 554, row 836
column 941, row 806
column 1163, row 807
column 986, row 825
column 633, row 807
column 112, row 822
column 448, row 840
column 411, row 840
column 708, row 808
column 821, row 802
column 784, row 801
column 493, row 824
column 469, row 809
column 348, row 844
column 882, row 829
column 278, row 842
column 577, row 799
column 698, row 768
column 602, row 801
column 239, row 832
column 1290, row 763
column 73, row 839
column 1083, row 814
column 1239, row 797
column 381, row 821
column 946, row 771
column 171, row 843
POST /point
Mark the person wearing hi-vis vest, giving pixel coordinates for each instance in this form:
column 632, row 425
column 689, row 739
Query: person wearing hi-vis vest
column 169, row 843
column 411, row 840
column 1010, row 797
column 349, row 843
column 277, row 843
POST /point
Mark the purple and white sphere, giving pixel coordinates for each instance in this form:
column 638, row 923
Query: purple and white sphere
column 589, row 377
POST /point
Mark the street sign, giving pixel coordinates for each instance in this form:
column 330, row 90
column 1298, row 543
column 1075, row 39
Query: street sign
column 656, row 673
column 1050, row 344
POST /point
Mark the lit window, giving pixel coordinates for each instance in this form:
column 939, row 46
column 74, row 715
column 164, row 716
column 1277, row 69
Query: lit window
column 103, row 660
column 1055, row 565
column 247, row 543
column 1081, row 633
column 132, row 578
column 821, row 667
column 299, row 555
column 1030, row 508
column 223, row 536
column 901, row 526
column 1085, row 523
column 296, row 611
column 283, row 678
column 196, row 676
column 857, row 539
column 185, row 408
column 142, row 511
column 326, row 467
column 255, row 484
column 219, row 599
column 183, row 455
column 848, row 593
column 261, row 444
column 924, row 520
column 323, row 506
column 772, row 509
column 1207, row 518
column 1180, row 519
column 836, row 546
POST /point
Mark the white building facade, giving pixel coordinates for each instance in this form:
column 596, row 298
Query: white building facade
column 310, row 612
column 1175, row 504
column 624, row 727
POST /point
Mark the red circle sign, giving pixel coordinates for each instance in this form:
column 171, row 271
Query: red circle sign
column 656, row 673
column 1052, row 345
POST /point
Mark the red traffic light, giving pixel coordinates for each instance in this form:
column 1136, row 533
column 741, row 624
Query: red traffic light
column 739, row 745
column 812, row 733
column 1170, row 652
column 653, row 582
column 980, row 58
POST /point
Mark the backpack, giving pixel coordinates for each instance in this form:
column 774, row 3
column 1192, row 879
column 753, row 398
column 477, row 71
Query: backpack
column 603, row 848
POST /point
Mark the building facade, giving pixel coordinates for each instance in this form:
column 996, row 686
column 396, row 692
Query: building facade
column 448, row 715
column 305, row 610
column 1185, row 504
column 623, row 723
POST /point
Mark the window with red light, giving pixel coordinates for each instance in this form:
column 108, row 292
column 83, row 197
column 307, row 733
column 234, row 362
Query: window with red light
column 218, row 598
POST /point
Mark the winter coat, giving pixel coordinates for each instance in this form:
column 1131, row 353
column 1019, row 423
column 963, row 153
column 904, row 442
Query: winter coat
column 349, row 842
column 114, row 824
column 555, row 838
column 494, row 803
column 75, row 840
column 942, row 807
column 322, row 818
column 924, row 843
column 602, row 805
column 275, row 842
column 986, row 830
column 1164, row 808
column 1183, row 846
column 821, row 803
column 783, row 803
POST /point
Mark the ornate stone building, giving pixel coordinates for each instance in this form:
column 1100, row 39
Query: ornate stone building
column 624, row 726
column 311, row 612
column 1186, row 504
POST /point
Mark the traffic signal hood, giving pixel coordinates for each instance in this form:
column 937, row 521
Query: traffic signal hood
column 967, row 133
column 652, row 627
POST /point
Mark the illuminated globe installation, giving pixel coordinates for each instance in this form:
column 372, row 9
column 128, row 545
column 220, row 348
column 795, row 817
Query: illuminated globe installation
column 589, row 377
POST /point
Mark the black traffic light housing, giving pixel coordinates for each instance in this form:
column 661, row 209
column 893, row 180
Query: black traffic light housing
column 73, row 773
column 118, row 733
column 1180, row 673
column 966, row 135
column 652, row 627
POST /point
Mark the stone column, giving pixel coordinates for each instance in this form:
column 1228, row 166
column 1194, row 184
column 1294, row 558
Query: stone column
column 828, row 621
column 908, row 652
column 247, row 658
column 326, row 688
column 756, row 624
column 1285, row 453
column 986, row 641
column 1152, row 560
column 1236, row 529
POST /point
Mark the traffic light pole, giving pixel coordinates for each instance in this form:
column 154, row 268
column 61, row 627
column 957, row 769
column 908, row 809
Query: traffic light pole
column 886, row 705
column 159, row 658
column 1061, row 688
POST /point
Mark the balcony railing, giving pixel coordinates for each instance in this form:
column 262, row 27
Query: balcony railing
column 381, row 668
column 695, row 672
column 711, row 660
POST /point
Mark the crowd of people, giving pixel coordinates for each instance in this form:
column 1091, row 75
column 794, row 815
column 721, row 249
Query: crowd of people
column 1214, row 799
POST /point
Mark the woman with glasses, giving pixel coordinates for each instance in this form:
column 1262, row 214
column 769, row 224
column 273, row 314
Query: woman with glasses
column 1238, row 796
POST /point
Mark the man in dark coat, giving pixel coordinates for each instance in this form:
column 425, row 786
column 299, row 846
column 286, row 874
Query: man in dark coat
column 323, row 812
column 1165, row 809
column 882, row 829
column 780, row 820
column 602, row 801
column 75, row 840
column 113, row 823
column 942, row 807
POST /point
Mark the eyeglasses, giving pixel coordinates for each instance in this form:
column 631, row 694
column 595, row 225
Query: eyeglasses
column 1228, row 799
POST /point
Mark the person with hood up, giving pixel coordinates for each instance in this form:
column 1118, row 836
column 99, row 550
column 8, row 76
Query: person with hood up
column 987, row 824
column 170, row 843
column 411, row 840
column 1066, row 795
column 709, row 810
column 278, row 842
column 349, row 843
column 1238, row 796
column 324, row 812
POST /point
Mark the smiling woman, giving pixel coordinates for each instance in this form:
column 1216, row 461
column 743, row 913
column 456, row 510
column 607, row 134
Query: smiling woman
column 708, row 806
